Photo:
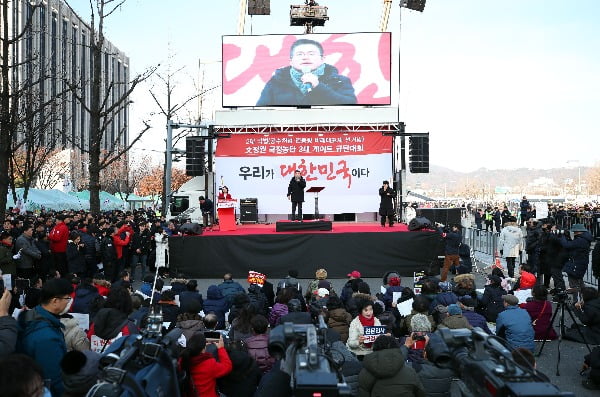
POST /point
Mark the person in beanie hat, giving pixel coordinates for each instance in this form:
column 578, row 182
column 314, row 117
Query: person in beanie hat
column 455, row 319
column 320, row 281
column 79, row 372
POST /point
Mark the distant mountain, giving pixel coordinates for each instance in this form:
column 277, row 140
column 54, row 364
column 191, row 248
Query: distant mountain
column 530, row 180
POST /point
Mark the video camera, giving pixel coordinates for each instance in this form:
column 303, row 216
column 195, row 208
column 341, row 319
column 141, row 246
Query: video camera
column 141, row 365
column 306, row 357
column 485, row 365
column 559, row 295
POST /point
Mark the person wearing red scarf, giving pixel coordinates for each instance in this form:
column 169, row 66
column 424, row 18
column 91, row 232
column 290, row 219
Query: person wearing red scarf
column 201, row 368
column 356, row 339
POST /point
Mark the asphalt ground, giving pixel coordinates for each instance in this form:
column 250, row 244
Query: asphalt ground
column 571, row 354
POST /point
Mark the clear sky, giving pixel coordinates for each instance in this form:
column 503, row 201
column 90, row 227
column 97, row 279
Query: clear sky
column 497, row 84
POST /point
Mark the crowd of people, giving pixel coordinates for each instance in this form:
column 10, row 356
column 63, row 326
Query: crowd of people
column 66, row 265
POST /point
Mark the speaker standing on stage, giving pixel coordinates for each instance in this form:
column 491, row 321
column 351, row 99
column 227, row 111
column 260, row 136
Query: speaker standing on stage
column 224, row 193
column 296, row 194
column 386, row 206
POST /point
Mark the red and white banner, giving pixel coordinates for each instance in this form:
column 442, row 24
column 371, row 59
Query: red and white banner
column 350, row 166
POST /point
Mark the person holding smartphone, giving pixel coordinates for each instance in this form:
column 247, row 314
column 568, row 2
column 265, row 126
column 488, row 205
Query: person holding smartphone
column 201, row 367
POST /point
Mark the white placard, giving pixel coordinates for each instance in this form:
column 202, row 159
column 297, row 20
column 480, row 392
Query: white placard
column 523, row 294
column 83, row 320
column 396, row 296
column 405, row 308
column 7, row 281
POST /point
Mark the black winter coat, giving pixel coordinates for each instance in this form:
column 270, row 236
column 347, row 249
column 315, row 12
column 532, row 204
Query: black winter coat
column 92, row 245
column 333, row 89
column 84, row 296
column 552, row 254
column 386, row 203
column 76, row 259
column 243, row 378
column 492, row 302
column 578, row 251
column 296, row 189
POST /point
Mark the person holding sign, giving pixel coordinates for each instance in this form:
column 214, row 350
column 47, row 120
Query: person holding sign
column 295, row 194
column 358, row 343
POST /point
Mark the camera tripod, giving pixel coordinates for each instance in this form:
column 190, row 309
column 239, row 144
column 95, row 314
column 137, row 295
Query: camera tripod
column 561, row 306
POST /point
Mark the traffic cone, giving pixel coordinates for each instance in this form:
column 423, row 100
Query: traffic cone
column 497, row 261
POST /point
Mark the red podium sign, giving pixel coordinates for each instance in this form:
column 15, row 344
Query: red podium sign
column 226, row 212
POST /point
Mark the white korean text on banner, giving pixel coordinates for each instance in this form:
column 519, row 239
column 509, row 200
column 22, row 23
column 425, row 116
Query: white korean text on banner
column 350, row 166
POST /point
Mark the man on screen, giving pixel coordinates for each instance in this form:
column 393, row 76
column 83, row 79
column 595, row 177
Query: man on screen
column 307, row 81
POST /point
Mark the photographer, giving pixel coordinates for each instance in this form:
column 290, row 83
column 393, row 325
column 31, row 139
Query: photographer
column 453, row 238
column 578, row 252
column 588, row 312
column 532, row 240
column 552, row 258
column 201, row 368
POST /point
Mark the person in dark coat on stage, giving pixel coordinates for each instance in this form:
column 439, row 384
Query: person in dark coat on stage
column 295, row 194
column 386, row 205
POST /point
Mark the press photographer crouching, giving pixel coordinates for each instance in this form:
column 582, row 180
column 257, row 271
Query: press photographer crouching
column 588, row 312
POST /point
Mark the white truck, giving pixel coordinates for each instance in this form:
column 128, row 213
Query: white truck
column 184, row 204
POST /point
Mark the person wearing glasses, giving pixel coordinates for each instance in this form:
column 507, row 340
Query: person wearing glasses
column 308, row 80
column 42, row 338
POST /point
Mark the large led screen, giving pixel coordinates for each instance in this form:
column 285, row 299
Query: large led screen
column 306, row 70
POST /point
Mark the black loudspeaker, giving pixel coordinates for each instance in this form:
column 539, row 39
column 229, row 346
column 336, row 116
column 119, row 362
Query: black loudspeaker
column 418, row 154
column 191, row 229
column 446, row 216
column 195, row 156
column 249, row 210
column 419, row 223
column 259, row 7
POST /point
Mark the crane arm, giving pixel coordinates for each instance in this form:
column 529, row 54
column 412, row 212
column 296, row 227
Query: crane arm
column 385, row 15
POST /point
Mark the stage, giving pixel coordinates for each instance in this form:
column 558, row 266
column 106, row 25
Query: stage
column 367, row 247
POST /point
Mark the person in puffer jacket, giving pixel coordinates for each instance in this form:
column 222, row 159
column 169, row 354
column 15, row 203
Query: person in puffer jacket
column 394, row 286
column 258, row 344
column 258, row 299
column 84, row 296
column 385, row 372
column 510, row 244
column 75, row 337
column 280, row 308
column 338, row 318
column 216, row 303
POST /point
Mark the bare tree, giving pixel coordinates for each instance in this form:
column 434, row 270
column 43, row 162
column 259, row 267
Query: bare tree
column 11, row 93
column 123, row 176
column 106, row 101
column 55, row 169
